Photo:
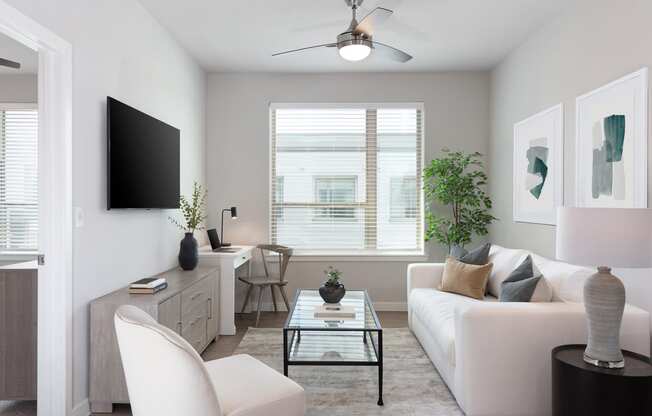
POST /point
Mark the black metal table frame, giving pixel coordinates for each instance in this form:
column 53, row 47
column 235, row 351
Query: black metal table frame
column 378, row 349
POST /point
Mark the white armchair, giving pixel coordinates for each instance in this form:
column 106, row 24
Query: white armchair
column 166, row 377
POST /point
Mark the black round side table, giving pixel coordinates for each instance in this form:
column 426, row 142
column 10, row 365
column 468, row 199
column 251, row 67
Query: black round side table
column 581, row 389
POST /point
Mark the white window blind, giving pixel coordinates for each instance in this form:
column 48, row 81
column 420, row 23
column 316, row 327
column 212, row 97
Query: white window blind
column 346, row 179
column 18, row 178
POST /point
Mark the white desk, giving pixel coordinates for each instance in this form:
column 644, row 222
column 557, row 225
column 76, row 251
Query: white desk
column 228, row 263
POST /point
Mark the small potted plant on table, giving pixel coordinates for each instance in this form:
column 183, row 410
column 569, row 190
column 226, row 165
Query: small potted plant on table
column 332, row 291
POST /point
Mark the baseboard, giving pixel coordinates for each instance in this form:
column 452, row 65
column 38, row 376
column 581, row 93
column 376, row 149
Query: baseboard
column 82, row 408
column 390, row 306
column 379, row 306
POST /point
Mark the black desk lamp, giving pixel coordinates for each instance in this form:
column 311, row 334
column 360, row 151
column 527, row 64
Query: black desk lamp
column 234, row 215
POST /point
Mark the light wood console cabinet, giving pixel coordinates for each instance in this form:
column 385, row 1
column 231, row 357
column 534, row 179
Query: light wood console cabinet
column 188, row 306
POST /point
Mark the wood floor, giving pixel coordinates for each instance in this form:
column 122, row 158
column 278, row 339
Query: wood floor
column 224, row 347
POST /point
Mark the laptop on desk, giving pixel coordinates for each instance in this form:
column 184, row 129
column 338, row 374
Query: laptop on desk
column 216, row 245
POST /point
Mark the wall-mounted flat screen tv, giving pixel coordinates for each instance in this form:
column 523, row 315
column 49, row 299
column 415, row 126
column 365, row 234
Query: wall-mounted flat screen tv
column 143, row 159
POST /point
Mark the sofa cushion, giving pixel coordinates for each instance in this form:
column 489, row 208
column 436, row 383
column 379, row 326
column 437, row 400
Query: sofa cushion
column 477, row 256
column 505, row 260
column 465, row 279
column 566, row 280
column 521, row 283
column 436, row 311
column 543, row 291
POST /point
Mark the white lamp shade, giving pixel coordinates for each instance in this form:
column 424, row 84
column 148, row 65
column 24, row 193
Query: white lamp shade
column 614, row 237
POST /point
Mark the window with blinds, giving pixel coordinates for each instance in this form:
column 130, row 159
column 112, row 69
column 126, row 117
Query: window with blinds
column 18, row 178
column 346, row 179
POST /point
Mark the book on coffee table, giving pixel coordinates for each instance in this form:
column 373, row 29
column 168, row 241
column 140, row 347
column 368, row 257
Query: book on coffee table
column 334, row 311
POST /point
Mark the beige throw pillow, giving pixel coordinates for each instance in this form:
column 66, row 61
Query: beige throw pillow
column 465, row 279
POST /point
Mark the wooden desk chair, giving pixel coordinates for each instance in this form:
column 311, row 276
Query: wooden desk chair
column 262, row 282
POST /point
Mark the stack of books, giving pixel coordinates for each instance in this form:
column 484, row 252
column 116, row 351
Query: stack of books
column 334, row 311
column 148, row 286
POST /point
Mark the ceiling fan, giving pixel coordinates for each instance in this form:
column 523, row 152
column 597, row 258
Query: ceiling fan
column 356, row 42
column 9, row 64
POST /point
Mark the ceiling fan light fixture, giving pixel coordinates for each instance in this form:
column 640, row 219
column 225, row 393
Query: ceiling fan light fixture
column 355, row 44
column 355, row 52
column 353, row 47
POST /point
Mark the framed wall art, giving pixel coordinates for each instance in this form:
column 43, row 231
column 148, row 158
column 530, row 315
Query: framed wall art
column 539, row 166
column 611, row 144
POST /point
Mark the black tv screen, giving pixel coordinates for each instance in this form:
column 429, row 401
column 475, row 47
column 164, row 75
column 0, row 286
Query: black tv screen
column 143, row 159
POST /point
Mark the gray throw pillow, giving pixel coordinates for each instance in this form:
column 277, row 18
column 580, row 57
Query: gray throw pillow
column 478, row 256
column 521, row 283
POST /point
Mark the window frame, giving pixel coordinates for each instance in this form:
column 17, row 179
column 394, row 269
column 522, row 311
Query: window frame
column 359, row 255
column 18, row 254
column 402, row 179
column 319, row 217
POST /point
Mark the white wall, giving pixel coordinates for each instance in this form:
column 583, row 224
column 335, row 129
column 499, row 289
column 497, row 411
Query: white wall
column 593, row 43
column 18, row 88
column 120, row 50
column 237, row 150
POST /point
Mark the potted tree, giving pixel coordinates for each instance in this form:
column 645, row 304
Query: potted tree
column 193, row 216
column 456, row 181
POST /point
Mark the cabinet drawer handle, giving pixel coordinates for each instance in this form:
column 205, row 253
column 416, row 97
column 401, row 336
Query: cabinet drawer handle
column 210, row 308
column 179, row 324
column 195, row 321
column 195, row 296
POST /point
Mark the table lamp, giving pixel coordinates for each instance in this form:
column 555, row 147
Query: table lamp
column 234, row 216
column 604, row 237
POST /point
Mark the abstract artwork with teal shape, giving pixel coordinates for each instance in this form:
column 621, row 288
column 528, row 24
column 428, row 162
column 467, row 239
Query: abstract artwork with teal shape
column 611, row 144
column 537, row 156
column 608, row 170
column 538, row 159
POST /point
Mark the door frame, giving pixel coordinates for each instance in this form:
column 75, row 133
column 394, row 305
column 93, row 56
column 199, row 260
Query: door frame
column 54, row 392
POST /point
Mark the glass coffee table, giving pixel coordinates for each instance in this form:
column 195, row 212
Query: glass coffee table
column 332, row 342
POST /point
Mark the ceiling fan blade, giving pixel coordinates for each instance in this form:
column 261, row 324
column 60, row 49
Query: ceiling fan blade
column 325, row 45
column 375, row 18
column 8, row 63
column 391, row 52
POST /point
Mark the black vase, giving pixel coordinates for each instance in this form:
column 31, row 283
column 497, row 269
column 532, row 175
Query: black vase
column 332, row 294
column 188, row 252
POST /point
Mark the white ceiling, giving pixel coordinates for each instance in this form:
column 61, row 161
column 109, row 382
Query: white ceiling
column 234, row 35
column 17, row 52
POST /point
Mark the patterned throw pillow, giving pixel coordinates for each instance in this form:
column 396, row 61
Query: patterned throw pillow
column 521, row 283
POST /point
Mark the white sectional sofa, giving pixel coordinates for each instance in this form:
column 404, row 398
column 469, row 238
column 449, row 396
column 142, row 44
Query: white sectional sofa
column 495, row 356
